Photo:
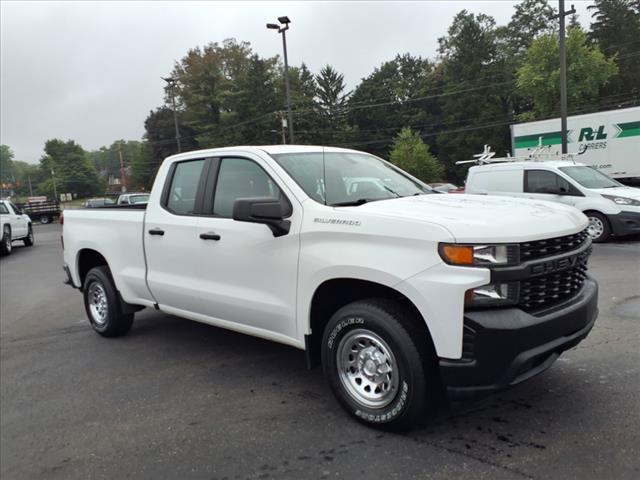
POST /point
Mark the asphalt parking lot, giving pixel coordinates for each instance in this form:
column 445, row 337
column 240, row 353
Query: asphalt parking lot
column 177, row 399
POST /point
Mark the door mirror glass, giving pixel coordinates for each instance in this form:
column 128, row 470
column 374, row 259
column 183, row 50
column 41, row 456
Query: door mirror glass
column 267, row 210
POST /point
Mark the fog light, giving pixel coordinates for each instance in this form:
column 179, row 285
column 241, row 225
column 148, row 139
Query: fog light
column 493, row 294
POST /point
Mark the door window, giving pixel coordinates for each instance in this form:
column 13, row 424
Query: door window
column 15, row 209
column 182, row 193
column 3, row 209
column 537, row 181
column 240, row 178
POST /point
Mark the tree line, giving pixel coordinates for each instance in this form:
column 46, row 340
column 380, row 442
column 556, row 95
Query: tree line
column 423, row 114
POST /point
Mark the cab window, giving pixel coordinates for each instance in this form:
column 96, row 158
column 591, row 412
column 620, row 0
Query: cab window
column 240, row 178
column 3, row 209
column 540, row 181
column 181, row 197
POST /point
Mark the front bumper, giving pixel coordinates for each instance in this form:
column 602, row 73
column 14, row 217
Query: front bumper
column 503, row 347
column 625, row 223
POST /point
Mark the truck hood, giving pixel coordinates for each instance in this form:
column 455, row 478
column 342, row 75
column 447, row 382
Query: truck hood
column 484, row 218
column 628, row 192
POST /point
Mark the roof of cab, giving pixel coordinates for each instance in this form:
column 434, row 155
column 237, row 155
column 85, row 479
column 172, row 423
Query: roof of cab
column 270, row 149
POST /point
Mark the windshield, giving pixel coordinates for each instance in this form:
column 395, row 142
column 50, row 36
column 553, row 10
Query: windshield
column 589, row 177
column 139, row 199
column 346, row 178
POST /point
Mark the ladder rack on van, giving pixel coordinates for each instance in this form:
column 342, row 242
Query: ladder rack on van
column 539, row 154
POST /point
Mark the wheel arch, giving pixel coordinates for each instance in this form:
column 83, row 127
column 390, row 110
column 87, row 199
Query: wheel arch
column 335, row 293
column 87, row 259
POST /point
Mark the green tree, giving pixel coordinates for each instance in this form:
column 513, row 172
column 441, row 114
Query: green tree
column 476, row 97
column 410, row 153
column 142, row 171
column 588, row 70
column 74, row 172
column 253, row 107
column 330, row 90
column 386, row 99
column 6, row 164
column 530, row 19
column 306, row 111
column 220, row 87
column 615, row 28
column 160, row 136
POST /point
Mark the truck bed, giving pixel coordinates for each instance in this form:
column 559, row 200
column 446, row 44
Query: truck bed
column 116, row 233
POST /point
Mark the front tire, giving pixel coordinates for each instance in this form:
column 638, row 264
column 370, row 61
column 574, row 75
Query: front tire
column 5, row 243
column 45, row 220
column 102, row 304
column 378, row 365
column 598, row 229
column 29, row 239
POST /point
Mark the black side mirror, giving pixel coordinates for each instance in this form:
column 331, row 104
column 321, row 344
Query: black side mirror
column 267, row 210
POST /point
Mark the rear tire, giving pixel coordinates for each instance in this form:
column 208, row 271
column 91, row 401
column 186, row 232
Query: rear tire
column 381, row 368
column 598, row 229
column 5, row 242
column 29, row 239
column 45, row 220
column 102, row 304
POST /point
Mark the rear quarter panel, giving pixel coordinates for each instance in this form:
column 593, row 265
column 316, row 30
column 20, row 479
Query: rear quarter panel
column 117, row 235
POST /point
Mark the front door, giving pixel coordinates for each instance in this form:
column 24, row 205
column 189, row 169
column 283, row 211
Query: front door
column 19, row 224
column 538, row 182
column 246, row 275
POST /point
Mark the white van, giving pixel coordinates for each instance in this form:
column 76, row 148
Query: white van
column 611, row 207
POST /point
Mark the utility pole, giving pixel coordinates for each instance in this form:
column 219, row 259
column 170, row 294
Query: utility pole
column 55, row 190
column 172, row 83
column 283, row 126
column 30, row 189
column 563, row 73
column 285, row 22
column 123, row 177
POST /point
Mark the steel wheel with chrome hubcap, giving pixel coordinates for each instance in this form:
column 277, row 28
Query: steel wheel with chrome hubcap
column 598, row 228
column 366, row 368
column 98, row 303
column 380, row 363
column 103, row 305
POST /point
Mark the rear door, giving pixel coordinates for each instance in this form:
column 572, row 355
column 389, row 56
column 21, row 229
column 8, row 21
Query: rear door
column 170, row 236
column 245, row 274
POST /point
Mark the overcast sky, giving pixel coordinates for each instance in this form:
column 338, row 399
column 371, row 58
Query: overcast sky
column 90, row 71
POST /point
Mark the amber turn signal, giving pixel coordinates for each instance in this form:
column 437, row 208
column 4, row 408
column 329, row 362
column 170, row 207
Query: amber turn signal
column 457, row 254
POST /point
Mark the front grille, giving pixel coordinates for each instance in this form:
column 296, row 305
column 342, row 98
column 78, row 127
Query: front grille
column 552, row 246
column 551, row 289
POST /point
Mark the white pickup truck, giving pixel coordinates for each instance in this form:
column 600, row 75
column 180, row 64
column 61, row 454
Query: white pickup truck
column 14, row 225
column 401, row 293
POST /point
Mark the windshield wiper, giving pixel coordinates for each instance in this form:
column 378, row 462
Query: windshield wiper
column 352, row 203
column 388, row 189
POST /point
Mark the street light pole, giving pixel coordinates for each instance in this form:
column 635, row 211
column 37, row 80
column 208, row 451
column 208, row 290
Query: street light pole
column 285, row 22
column 563, row 74
column 172, row 82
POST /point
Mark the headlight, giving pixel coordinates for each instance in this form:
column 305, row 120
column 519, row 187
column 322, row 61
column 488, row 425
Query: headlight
column 478, row 255
column 492, row 295
column 622, row 200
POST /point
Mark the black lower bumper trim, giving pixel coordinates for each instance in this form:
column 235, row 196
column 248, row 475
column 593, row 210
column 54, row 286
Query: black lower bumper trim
column 507, row 346
column 625, row 223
